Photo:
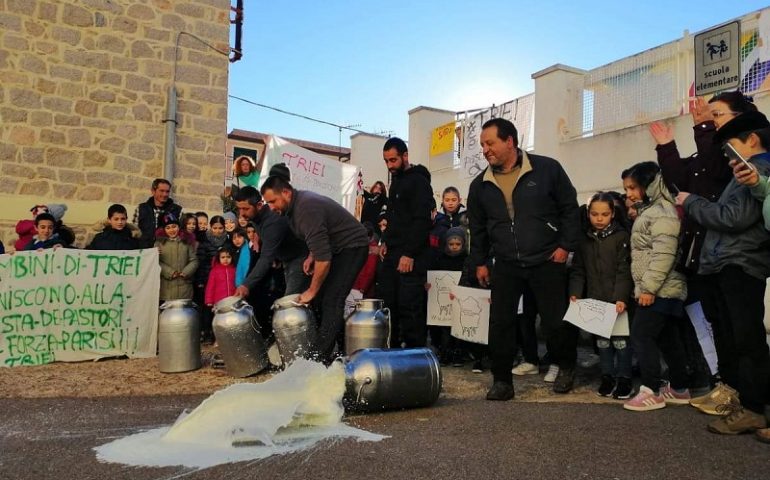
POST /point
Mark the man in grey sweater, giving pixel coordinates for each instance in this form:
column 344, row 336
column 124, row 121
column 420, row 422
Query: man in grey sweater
column 338, row 247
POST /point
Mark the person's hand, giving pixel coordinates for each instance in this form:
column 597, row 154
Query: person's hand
column 573, row 298
column 681, row 197
column 743, row 174
column 427, row 286
column 307, row 265
column 159, row 249
column 661, row 133
column 405, row 264
column 482, row 275
column 559, row 255
column 620, row 307
column 645, row 299
column 383, row 251
column 57, row 246
column 700, row 112
column 306, row 297
column 174, row 275
column 242, row 291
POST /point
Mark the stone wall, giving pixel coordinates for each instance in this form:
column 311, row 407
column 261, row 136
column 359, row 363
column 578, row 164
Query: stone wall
column 83, row 89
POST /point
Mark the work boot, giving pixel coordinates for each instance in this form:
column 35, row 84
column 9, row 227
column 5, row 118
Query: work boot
column 721, row 394
column 564, row 380
column 501, row 391
column 737, row 420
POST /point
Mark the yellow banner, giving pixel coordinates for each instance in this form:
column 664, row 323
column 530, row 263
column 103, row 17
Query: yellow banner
column 443, row 139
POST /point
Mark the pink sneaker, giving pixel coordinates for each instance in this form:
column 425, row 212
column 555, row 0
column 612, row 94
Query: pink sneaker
column 645, row 400
column 672, row 397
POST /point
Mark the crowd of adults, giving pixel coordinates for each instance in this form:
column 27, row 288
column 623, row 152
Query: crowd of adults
column 684, row 230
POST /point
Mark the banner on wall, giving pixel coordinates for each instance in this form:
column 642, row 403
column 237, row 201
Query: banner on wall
column 314, row 172
column 69, row 305
column 442, row 139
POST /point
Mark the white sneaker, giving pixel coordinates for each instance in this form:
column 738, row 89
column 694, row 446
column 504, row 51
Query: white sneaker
column 525, row 368
column 553, row 372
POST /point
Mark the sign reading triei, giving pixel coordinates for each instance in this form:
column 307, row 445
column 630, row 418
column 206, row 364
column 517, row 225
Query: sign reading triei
column 73, row 305
column 718, row 59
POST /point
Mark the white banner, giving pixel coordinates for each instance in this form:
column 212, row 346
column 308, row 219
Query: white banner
column 314, row 172
column 705, row 334
column 440, row 308
column 73, row 305
column 470, row 314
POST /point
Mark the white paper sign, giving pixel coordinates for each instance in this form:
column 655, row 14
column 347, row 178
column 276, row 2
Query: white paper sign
column 470, row 314
column 705, row 334
column 597, row 317
column 74, row 305
column 440, row 306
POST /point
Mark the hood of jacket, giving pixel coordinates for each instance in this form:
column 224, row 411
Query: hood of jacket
column 656, row 191
column 415, row 170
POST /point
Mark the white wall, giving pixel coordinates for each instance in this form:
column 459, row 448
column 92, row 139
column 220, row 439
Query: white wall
column 366, row 152
column 422, row 122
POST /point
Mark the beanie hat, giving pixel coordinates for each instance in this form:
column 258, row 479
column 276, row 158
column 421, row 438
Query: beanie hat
column 167, row 219
column 57, row 210
column 230, row 216
column 745, row 122
column 280, row 170
column 454, row 232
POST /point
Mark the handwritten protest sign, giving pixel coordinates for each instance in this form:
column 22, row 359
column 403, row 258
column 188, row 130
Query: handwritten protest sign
column 442, row 139
column 597, row 317
column 704, row 333
column 470, row 314
column 440, row 306
column 73, row 305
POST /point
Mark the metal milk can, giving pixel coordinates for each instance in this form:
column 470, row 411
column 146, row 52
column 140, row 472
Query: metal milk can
column 378, row 379
column 368, row 326
column 242, row 347
column 295, row 328
column 179, row 331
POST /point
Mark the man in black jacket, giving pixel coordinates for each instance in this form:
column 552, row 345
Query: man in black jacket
column 147, row 214
column 524, row 208
column 405, row 250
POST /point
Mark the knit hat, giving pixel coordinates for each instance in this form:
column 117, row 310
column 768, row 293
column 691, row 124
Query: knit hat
column 57, row 210
column 230, row 216
column 745, row 122
column 280, row 170
column 454, row 232
column 167, row 219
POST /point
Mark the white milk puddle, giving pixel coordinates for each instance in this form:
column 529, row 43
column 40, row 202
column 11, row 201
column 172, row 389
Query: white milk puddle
column 290, row 412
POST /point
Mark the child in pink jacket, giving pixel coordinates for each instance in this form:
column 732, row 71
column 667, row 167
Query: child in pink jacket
column 221, row 283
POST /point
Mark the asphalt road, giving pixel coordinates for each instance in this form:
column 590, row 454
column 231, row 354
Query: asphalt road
column 53, row 438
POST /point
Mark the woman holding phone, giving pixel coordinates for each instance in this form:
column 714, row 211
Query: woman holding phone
column 734, row 265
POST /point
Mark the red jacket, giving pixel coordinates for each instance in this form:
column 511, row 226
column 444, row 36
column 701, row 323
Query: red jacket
column 26, row 230
column 221, row 283
column 365, row 280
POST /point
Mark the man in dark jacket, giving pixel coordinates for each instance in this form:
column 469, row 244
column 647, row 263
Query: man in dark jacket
column 338, row 246
column 147, row 214
column 524, row 208
column 405, row 248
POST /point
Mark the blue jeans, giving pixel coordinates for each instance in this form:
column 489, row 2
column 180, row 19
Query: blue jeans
column 610, row 350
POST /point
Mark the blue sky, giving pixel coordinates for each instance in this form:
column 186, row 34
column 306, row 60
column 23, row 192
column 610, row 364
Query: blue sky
column 368, row 63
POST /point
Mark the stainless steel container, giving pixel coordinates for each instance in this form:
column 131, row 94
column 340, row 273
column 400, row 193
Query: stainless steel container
column 368, row 326
column 179, row 332
column 295, row 328
column 242, row 347
column 378, row 379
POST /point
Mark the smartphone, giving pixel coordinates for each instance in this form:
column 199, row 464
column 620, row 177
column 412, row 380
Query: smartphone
column 733, row 154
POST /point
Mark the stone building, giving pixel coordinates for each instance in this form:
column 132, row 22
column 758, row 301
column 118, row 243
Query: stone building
column 83, row 93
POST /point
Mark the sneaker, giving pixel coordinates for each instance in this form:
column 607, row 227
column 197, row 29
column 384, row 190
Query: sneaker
column 500, row 391
column 607, row 386
column 478, row 367
column 737, row 420
column 526, row 368
column 645, row 400
column 624, row 389
column 553, row 372
column 564, row 380
column 590, row 361
column 721, row 394
column 672, row 397
column 763, row 435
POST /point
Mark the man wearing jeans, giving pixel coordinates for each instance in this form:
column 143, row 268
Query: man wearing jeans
column 338, row 246
column 524, row 209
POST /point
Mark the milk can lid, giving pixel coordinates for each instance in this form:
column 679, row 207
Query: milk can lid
column 181, row 303
column 288, row 301
column 229, row 304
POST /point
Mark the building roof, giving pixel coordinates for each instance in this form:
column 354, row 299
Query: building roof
column 322, row 148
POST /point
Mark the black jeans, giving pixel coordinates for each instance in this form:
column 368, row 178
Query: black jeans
column 330, row 301
column 653, row 332
column 548, row 282
column 733, row 302
column 404, row 294
column 526, row 333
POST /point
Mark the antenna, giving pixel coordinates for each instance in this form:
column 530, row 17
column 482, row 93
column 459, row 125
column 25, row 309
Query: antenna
column 385, row 133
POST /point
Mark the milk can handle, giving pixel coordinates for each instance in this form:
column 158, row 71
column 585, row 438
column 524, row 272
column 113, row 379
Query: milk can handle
column 387, row 311
column 367, row 381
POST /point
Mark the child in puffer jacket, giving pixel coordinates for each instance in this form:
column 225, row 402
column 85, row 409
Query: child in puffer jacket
column 221, row 282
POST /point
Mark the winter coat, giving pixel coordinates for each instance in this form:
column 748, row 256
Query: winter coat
column 761, row 191
column 36, row 244
column 410, row 202
column 365, row 280
column 601, row 266
column 146, row 218
column 654, row 246
column 545, row 211
column 25, row 229
column 206, row 251
column 372, row 207
column 736, row 233
column 176, row 255
column 705, row 173
column 109, row 239
column 221, row 283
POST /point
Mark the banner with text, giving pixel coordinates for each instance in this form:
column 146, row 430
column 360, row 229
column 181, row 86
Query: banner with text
column 314, row 172
column 442, row 139
column 72, row 305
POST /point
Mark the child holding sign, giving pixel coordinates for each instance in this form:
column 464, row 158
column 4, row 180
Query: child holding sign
column 601, row 269
column 178, row 261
